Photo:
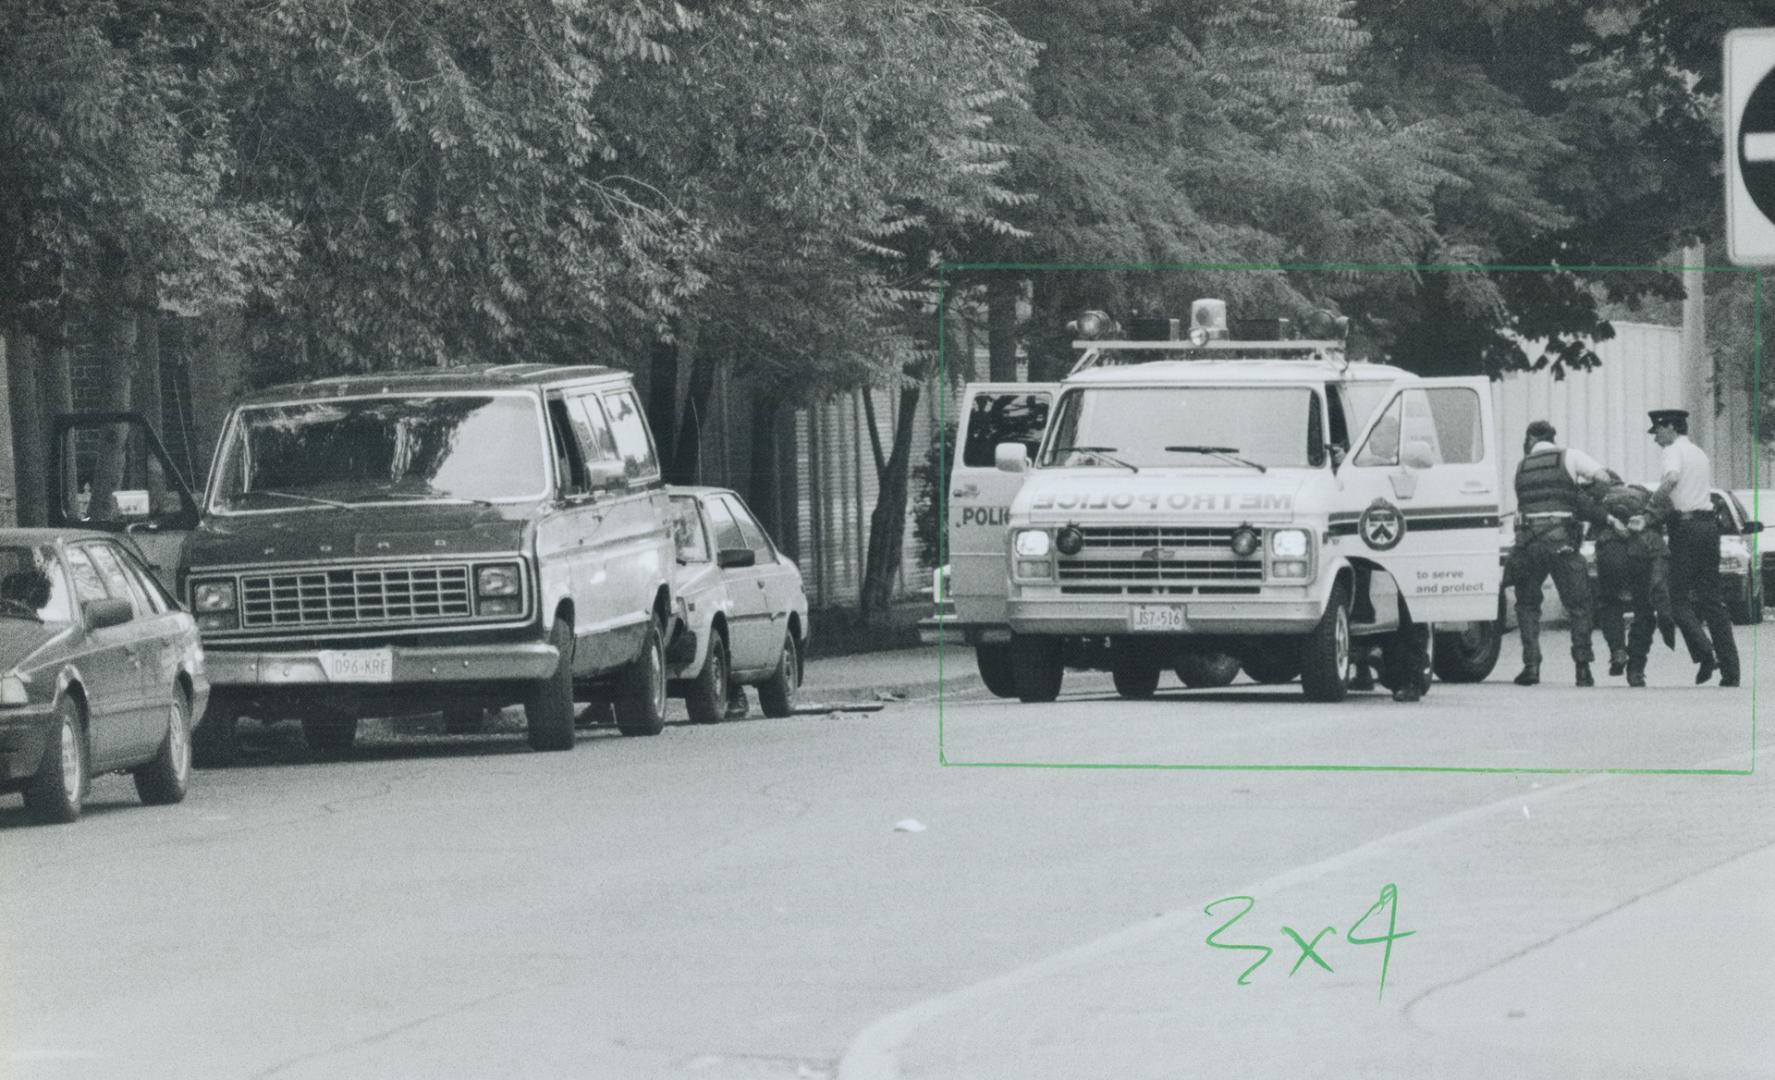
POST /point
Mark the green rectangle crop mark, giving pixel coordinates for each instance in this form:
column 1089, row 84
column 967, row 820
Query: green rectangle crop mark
column 943, row 504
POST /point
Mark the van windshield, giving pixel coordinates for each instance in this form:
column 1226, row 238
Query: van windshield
column 360, row 451
column 1273, row 426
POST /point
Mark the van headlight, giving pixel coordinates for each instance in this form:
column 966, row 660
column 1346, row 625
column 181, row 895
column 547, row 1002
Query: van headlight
column 12, row 690
column 1032, row 543
column 1289, row 543
column 212, row 596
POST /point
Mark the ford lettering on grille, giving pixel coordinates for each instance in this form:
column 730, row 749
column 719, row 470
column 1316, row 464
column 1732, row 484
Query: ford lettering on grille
column 355, row 596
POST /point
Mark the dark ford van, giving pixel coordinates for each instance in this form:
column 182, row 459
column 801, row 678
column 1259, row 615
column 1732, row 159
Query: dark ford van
column 452, row 540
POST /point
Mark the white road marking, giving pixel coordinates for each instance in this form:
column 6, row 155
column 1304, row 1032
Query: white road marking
column 1759, row 146
column 875, row 1052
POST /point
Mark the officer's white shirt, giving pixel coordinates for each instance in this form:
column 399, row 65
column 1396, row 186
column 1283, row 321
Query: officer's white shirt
column 1578, row 465
column 1694, row 475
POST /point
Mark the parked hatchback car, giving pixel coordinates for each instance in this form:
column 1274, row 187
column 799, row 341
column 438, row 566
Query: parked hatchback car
column 451, row 540
column 100, row 671
column 742, row 609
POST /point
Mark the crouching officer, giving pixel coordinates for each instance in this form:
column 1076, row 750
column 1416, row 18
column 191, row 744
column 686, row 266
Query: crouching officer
column 1551, row 509
column 1630, row 557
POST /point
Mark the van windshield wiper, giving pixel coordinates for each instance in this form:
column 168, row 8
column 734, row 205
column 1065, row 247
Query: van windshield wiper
column 1224, row 453
column 429, row 496
column 316, row 499
column 1100, row 452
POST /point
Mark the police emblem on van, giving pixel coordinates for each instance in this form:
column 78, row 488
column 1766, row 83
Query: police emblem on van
column 1381, row 526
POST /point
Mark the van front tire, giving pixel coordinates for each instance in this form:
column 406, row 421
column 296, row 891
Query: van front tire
column 548, row 706
column 1325, row 655
column 1037, row 668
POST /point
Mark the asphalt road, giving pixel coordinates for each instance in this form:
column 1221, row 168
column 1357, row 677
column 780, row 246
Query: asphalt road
column 736, row 902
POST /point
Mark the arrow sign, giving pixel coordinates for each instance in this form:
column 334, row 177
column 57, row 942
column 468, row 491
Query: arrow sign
column 1749, row 101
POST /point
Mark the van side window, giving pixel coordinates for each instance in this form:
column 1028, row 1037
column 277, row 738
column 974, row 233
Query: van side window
column 633, row 441
column 591, row 429
column 569, row 466
column 1382, row 447
column 1001, row 418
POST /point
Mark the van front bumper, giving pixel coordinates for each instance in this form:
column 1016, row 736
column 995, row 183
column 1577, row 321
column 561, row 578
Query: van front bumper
column 1068, row 615
column 520, row 661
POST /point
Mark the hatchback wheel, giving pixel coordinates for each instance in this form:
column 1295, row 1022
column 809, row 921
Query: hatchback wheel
column 778, row 693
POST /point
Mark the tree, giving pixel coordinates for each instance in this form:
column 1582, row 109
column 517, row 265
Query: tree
column 114, row 168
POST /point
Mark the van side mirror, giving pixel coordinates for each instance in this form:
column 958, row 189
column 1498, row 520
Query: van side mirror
column 102, row 613
column 605, row 475
column 733, row 558
column 1752, row 527
column 1011, row 457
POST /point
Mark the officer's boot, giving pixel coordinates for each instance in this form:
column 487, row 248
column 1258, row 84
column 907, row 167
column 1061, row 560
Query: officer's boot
column 1636, row 674
column 1617, row 661
column 1584, row 677
column 1529, row 675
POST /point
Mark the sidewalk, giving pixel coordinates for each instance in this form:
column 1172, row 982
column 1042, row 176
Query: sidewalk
column 902, row 673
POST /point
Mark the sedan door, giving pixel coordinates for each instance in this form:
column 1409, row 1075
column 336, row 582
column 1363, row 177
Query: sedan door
column 777, row 576
column 755, row 635
column 111, row 669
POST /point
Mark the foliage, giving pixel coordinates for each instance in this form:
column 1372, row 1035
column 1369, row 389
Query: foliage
column 930, row 480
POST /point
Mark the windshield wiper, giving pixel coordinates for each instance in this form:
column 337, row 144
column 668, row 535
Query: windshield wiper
column 316, row 499
column 1224, row 453
column 1101, row 452
column 421, row 496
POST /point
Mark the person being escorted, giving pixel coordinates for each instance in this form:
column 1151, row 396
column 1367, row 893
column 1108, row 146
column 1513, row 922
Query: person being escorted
column 1694, row 550
column 1630, row 556
column 1551, row 508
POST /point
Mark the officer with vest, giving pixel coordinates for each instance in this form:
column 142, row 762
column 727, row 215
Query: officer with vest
column 1694, row 550
column 1630, row 564
column 1550, row 510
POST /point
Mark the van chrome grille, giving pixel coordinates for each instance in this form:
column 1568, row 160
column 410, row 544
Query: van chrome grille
column 1148, row 558
column 355, row 596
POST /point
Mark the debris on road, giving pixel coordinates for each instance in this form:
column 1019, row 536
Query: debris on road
column 908, row 825
column 814, row 709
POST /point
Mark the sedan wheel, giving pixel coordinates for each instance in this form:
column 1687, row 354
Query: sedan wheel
column 778, row 693
column 59, row 787
column 164, row 780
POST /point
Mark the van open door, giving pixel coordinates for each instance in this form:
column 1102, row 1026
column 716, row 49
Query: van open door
column 1427, row 483
column 979, row 503
column 111, row 473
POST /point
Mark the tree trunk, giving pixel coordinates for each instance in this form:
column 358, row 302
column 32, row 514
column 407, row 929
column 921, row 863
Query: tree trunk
column 30, row 435
column 1002, row 293
column 214, row 357
column 662, row 398
column 687, row 462
column 764, row 492
column 117, row 359
column 55, row 394
column 887, row 525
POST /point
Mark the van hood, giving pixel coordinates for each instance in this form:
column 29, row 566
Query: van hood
column 381, row 531
column 1053, row 497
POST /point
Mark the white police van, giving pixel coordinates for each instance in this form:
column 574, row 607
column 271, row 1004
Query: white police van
column 1177, row 499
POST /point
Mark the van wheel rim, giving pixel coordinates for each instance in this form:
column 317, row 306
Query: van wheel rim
column 70, row 761
column 1342, row 636
column 656, row 663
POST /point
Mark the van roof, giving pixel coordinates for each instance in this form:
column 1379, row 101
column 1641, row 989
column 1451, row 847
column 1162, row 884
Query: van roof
column 467, row 377
column 1249, row 371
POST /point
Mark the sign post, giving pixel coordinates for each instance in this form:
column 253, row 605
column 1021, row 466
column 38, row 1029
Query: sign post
column 1749, row 100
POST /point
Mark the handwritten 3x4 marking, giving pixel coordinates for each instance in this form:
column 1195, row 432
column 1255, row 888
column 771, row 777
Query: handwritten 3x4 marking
column 1309, row 948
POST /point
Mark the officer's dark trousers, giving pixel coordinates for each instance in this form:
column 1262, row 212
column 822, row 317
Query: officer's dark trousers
column 1624, row 581
column 1543, row 553
column 1695, row 593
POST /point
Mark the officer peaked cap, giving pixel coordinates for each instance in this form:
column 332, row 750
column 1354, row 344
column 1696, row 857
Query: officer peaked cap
column 1673, row 417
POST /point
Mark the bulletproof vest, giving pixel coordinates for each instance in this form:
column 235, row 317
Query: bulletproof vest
column 1543, row 486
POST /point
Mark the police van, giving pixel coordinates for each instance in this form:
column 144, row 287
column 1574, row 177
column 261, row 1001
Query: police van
column 1182, row 499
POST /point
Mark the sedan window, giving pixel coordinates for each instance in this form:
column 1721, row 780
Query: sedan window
column 727, row 531
column 32, row 581
column 687, row 531
column 749, row 528
column 88, row 585
column 116, row 579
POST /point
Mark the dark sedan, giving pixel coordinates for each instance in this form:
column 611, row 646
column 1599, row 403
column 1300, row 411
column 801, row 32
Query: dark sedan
column 100, row 671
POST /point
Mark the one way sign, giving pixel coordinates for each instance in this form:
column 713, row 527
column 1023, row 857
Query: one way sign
column 1750, row 146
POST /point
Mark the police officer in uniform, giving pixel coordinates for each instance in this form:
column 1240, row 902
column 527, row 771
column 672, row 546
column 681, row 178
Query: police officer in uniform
column 1550, row 509
column 1630, row 562
column 1694, row 550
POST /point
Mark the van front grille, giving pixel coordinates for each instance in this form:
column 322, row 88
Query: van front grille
column 351, row 596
